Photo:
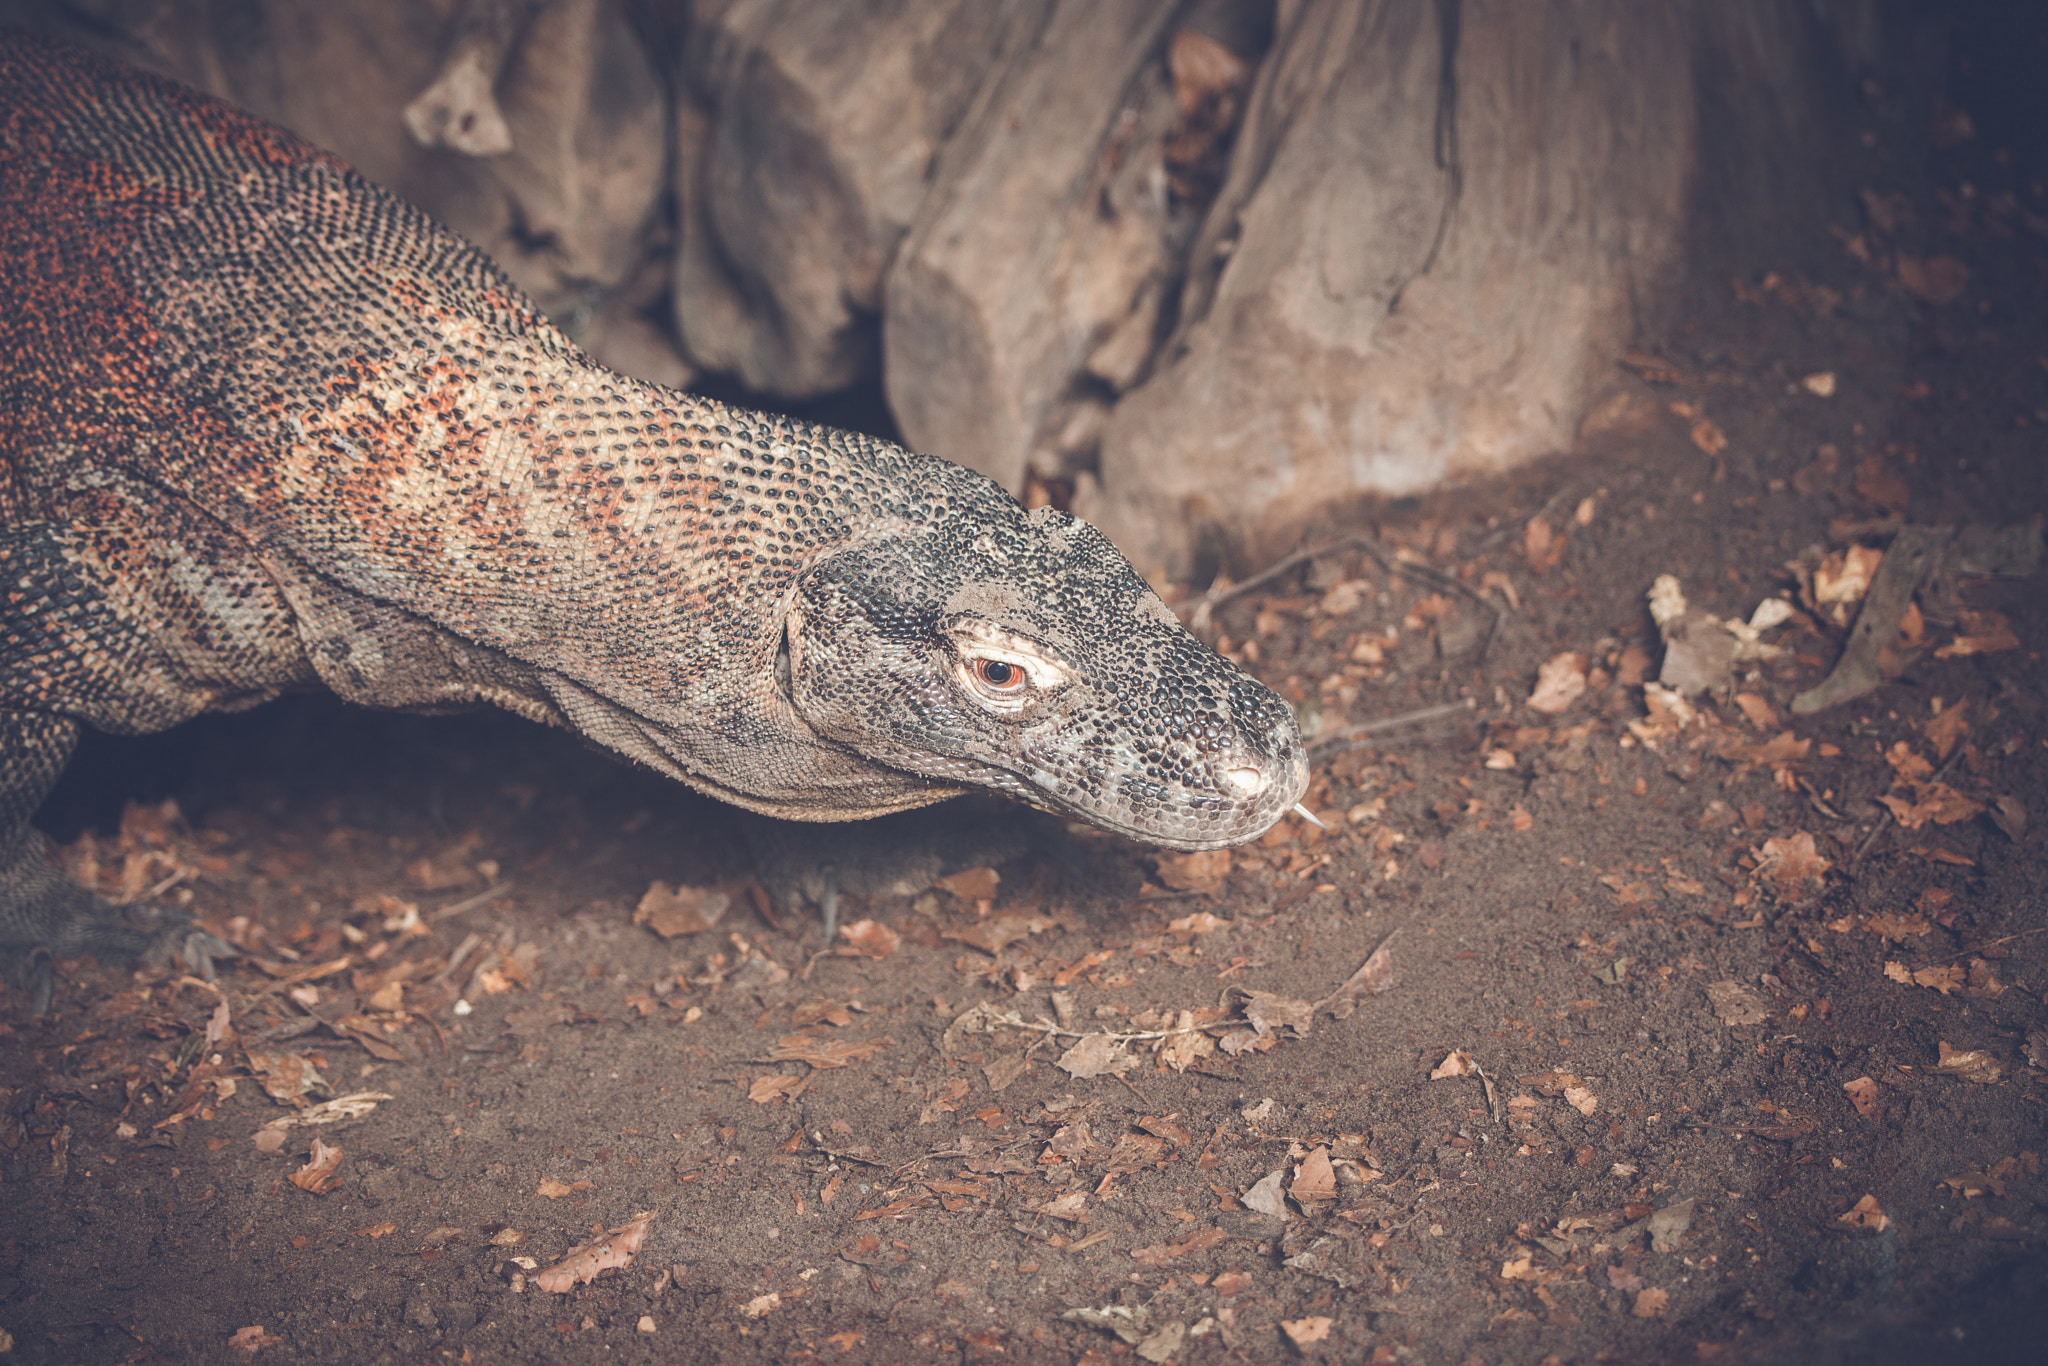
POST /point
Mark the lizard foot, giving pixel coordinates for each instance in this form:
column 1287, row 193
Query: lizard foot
column 45, row 916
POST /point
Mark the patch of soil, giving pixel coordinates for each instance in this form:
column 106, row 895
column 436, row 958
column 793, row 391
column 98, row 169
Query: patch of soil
column 1715, row 1037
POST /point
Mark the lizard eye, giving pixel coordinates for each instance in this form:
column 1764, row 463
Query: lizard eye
column 999, row 675
column 1005, row 673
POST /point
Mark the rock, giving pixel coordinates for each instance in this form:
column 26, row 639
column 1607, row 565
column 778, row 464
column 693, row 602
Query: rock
column 419, row 1312
column 802, row 170
column 1405, row 277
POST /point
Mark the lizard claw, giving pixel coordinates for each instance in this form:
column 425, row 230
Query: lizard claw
column 198, row 949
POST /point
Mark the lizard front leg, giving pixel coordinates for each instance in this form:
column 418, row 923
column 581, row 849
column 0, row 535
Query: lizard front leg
column 44, row 915
column 89, row 633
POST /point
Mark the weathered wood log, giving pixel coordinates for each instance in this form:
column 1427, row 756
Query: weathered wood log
column 1042, row 232
column 1437, row 227
column 1229, row 267
column 803, row 168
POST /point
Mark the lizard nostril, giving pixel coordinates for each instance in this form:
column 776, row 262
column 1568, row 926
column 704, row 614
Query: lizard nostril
column 1242, row 781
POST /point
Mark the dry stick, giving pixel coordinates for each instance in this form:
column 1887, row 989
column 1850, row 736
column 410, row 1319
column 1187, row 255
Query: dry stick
column 1386, row 723
column 1216, row 597
column 1557, row 500
column 1993, row 943
column 1881, row 827
column 850, row 1157
column 469, row 903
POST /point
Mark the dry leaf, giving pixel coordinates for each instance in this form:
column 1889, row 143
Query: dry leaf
column 1135, row 1152
column 1454, row 1065
column 1541, row 545
column 317, row 1175
column 555, row 1190
column 774, row 1087
column 1582, row 1099
column 1943, row 977
column 1314, row 1179
column 1071, row 1207
column 2009, row 814
column 286, row 1076
column 253, row 1338
column 615, row 1248
column 895, row 1209
column 1709, row 437
column 1186, row 1045
column 1650, row 1302
column 1267, row 1012
column 1095, row 1056
column 975, row 884
column 1865, row 1214
column 1736, row 1004
column 1559, row 683
column 1898, row 928
column 1201, row 922
column 1005, row 1070
column 1970, row 1064
column 1202, row 1240
column 1759, row 713
column 1374, row 976
column 1265, row 1197
column 1936, row 280
column 1945, row 730
column 672, row 911
column 762, row 1305
column 1230, row 1283
column 869, row 939
column 1863, row 1094
column 1197, row 872
column 992, row 934
column 823, row 1052
column 1302, row 1332
column 1930, row 801
column 1792, row 865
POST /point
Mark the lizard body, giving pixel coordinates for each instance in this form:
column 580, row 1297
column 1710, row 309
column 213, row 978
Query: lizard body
column 265, row 427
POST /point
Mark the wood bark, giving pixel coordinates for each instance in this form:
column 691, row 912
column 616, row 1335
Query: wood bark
column 1437, row 227
column 802, row 165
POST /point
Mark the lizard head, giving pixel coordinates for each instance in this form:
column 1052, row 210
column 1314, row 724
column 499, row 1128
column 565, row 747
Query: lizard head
column 985, row 646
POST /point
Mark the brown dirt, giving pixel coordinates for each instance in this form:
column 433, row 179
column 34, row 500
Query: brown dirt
column 1564, row 897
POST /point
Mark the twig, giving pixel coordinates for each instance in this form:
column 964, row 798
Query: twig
column 1386, row 723
column 173, row 880
column 1556, row 501
column 1143, row 1099
column 469, row 903
column 1881, row 827
column 850, row 1157
column 1993, row 943
column 1216, row 597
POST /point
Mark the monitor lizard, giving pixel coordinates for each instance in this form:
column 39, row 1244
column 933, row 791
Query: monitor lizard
column 265, row 427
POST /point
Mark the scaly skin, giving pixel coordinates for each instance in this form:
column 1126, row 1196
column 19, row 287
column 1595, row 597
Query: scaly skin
column 265, row 427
